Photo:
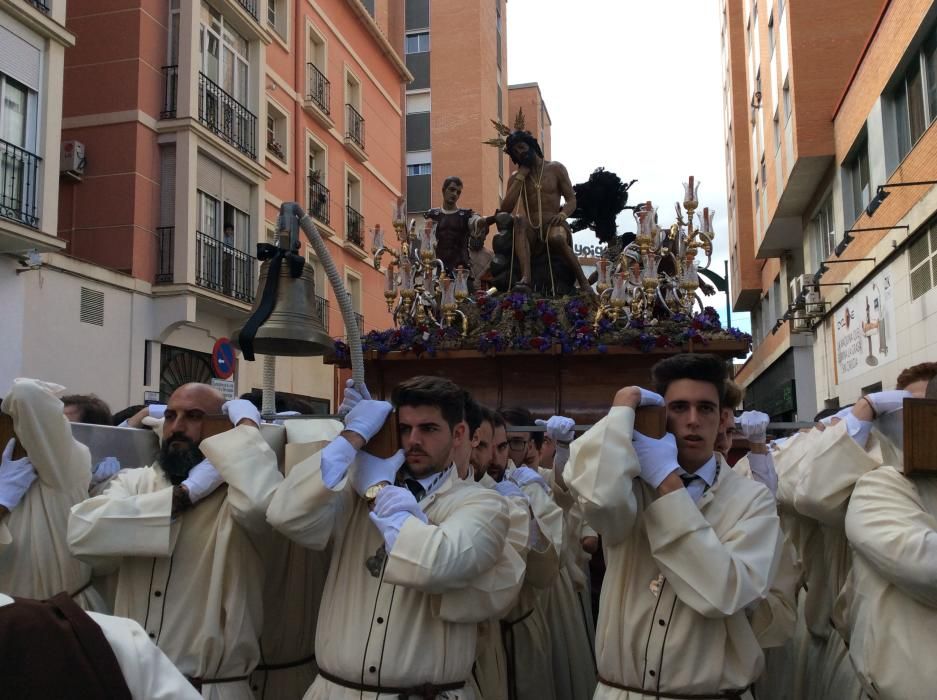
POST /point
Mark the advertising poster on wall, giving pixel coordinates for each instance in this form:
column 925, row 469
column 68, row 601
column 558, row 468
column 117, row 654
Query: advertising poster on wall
column 865, row 335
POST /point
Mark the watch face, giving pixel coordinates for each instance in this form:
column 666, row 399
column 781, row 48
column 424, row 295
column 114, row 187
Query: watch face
column 371, row 493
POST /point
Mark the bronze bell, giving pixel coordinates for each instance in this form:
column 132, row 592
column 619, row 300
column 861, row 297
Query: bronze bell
column 298, row 323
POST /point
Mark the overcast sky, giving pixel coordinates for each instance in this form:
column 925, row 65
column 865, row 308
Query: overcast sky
column 635, row 87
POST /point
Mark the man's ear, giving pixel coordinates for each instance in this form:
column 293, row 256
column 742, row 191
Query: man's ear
column 459, row 432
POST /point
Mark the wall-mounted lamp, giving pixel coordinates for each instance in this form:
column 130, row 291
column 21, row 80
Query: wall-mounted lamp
column 847, row 238
column 882, row 192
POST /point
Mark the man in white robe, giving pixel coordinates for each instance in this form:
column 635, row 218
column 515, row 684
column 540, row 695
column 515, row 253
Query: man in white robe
column 183, row 538
column 414, row 568
column 36, row 494
column 689, row 544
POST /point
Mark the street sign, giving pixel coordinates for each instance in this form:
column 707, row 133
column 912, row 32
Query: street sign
column 226, row 387
column 222, row 358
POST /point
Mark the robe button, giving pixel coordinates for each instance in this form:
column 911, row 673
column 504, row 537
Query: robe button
column 652, row 673
column 152, row 635
column 380, row 620
column 157, row 593
column 372, row 669
column 661, row 623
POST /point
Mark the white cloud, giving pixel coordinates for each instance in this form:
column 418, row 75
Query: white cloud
column 635, row 87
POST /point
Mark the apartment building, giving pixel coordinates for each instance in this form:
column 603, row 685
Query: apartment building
column 457, row 53
column 197, row 120
column 786, row 64
column 33, row 39
column 527, row 97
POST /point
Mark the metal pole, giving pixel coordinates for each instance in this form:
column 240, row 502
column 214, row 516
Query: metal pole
column 728, row 297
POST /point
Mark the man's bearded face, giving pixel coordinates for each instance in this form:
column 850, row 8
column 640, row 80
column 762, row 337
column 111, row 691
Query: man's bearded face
column 177, row 455
column 522, row 154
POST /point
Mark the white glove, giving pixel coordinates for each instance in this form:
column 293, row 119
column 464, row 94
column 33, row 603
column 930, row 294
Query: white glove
column 16, row 476
column 858, row 429
column 53, row 388
column 104, row 470
column 522, row 476
column 336, row 458
column 393, row 506
column 754, row 426
column 353, row 397
column 558, row 428
column 650, row 398
column 239, row 409
column 202, row 480
column 658, row 458
column 370, row 470
column 156, row 410
column 883, row 402
column 368, row 417
column 509, row 489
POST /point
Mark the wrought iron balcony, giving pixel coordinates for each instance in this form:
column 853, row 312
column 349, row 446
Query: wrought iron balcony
column 250, row 6
column 354, row 227
column 19, row 184
column 39, row 5
column 354, row 126
column 319, row 201
column 320, row 88
column 223, row 268
column 320, row 312
column 226, row 117
column 171, row 81
column 164, row 258
column 360, row 319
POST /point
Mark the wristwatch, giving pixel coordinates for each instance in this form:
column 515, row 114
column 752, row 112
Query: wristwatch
column 371, row 492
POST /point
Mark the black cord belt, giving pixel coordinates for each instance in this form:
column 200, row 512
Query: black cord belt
column 426, row 691
column 665, row 695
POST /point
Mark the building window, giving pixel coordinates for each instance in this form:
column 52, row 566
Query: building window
column 277, row 132
column 825, row 236
column 915, row 98
column 224, row 53
column 417, row 43
column 764, row 172
column 857, row 170
column 420, row 169
column 277, row 16
column 777, row 133
column 922, row 261
column 786, row 96
column 757, row 195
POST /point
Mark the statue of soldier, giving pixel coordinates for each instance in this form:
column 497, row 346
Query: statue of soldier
column 460, row 233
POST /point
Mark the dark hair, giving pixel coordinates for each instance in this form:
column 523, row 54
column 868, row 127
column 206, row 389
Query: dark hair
column 516, row 137
column 521, row 416
column 127, row 413
column 448, row 397
column 699, row 367
column 91, row 409
column 497, row 420
column 474, row 414
column 733, row 395
column 449, row 180
column 916, row 373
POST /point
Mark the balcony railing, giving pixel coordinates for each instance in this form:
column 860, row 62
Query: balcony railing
column 319, row 88
column 354, row 227
column 226, row 117
column 250, row 6
column 171, row 81
column 320, row 312
column 164, row 241
column 354, row 126
column 19, row 184
column 319, row 201
column 223, row 268
column 39, row 5
column 360, row 319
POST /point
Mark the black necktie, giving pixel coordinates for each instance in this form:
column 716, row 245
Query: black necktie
column 688, row 479
column 416, row 488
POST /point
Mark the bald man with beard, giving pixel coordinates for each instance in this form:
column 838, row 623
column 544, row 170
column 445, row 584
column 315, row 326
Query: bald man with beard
column 182, row 536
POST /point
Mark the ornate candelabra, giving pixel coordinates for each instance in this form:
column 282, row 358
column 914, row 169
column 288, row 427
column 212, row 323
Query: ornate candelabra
column 657, row 274
column 416, row 287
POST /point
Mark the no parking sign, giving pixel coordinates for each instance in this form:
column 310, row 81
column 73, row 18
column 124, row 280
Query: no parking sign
column 222, row 358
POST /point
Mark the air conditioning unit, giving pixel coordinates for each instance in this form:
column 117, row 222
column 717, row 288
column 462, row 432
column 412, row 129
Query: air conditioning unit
column 801, row 322
column 72, row 161
column 796, row 288
column 814, row 304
